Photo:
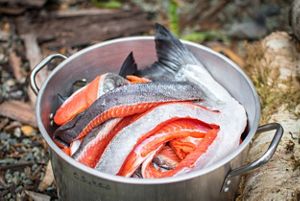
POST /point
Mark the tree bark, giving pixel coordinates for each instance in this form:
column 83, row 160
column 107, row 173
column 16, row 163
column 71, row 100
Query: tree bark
column 274, row 65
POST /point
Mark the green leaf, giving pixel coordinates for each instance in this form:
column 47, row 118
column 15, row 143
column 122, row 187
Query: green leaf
column 112, row 4
column 205, row 36
column 173, row 17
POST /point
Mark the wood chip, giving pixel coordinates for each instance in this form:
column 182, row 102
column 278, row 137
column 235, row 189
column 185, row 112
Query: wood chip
column 48, row 178
column 19, row 111
column 3, row 123
column 11, row 126
column 37, row 196
column 15, row 166
column 28, row 130
column 15, row 63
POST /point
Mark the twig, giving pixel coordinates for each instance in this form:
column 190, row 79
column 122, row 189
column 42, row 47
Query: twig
column 34, row 56
column 229, row 53
column 15, row 166
column 82, row 12
column 211, row 13
column 15, row 63
column 11, row 11
column 200, row 7
column 19, row 111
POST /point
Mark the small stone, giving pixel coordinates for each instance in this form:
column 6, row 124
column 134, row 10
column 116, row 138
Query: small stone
column 16, row 94
column 28, row 131
column 18, row 189
column 8, row 195
column 10, row 82
column 17, row 132
column 4, row 36
column 3, row 59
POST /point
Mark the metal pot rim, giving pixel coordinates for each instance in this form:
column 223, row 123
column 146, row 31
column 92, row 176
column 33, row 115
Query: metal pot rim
column 120, row 179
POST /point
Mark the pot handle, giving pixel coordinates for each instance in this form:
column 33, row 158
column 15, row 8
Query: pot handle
column 39, row 67
column 262, row 160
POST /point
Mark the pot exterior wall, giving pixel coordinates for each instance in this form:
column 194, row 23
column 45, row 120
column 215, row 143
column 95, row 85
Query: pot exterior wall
column 77, row 183
column 74, row 184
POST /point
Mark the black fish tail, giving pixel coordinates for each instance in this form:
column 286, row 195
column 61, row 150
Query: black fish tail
column 171, row 53
column 129, row 67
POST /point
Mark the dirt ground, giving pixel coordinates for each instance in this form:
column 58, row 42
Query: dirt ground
column 31, row 30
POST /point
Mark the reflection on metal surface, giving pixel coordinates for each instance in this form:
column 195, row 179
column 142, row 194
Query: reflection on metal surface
column 263, row 159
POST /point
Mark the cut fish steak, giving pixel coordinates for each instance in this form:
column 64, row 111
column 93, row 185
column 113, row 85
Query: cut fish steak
column 124, row 142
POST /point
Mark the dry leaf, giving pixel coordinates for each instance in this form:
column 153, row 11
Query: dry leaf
column 48, row 178
column 19, row 111
column 37, row 196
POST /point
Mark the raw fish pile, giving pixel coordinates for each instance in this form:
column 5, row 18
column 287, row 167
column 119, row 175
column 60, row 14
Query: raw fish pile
column 162, row 121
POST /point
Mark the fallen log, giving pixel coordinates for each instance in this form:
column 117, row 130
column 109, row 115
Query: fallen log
column 273, row 65
column 80, row 28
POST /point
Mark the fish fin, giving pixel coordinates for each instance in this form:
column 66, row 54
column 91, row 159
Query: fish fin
column 171, row 53
column 129, row 66
column 156, row 72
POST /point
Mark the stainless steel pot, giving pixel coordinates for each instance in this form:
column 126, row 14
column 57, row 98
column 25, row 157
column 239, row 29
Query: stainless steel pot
column 78, row 182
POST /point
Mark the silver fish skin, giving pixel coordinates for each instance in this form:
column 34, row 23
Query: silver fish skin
column 94, row 136
column 121, row 145
column 175, row 58
column 129, row 95
column 184, row 66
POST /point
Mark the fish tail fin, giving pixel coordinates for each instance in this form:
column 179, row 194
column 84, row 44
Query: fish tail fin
column 171, row 53
column 129, row 66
